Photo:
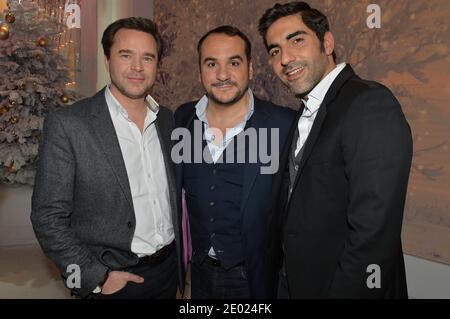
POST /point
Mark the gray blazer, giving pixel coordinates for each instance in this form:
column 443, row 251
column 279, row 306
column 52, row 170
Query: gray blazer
column 82, row 210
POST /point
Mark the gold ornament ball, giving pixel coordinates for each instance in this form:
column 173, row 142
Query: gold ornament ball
column 14, row 120
column 42, row 42
column 12, row 102
column 12, row 169
column 64, row 98
column 10, row 17
column 3, row 110
column 4, row 32
column 22, row 86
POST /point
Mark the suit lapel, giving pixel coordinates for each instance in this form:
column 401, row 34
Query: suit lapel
column 190, row 119
column 251, row 171
column 334, row 89
column 164, row 136
column 102, row 125
column 313, row 135
column 286, row 152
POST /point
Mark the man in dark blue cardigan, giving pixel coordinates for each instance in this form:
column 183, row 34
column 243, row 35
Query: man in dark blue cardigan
column 227, row 154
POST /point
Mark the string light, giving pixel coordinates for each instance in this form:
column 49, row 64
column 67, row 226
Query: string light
column 66, row 40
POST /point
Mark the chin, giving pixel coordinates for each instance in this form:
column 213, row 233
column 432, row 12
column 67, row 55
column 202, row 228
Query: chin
column 135, row 96
column 139, row 91
column 300, row 89
column 224, row 102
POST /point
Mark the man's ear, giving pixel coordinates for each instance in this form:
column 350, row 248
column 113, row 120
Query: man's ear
column 250, row 71
column 328, row 43
column 200, row 68
column 107, row 63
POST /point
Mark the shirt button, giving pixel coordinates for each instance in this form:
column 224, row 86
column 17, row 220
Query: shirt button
column 212, row 235
column 212, row 204
column 213, row 187
column 296, row 167
column 130, row 225
column 211, row 220
column 214, row 171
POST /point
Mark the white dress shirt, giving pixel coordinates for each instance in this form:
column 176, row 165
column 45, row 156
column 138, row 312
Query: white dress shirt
column 147, row 177
column 217, row 150
column 312, row 104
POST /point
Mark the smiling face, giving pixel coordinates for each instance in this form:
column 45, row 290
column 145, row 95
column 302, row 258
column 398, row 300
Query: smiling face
column 132, row 65
column 224, row 69
column 296, row 55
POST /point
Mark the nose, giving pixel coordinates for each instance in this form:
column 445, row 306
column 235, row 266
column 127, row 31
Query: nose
column 222, row 73
column 286, row 57
column 136, row 65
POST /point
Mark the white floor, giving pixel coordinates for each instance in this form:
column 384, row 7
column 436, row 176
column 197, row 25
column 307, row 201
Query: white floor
column 427, row 279
column 25, row 273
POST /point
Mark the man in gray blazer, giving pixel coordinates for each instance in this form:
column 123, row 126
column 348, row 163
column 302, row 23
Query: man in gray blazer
column 104, row 201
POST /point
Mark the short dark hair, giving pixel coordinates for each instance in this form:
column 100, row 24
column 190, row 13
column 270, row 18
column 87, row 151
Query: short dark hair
column 232, row 32
column 312, row 18
column 133, row 23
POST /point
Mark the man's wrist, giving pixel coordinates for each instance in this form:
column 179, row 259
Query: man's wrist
column 99, row 288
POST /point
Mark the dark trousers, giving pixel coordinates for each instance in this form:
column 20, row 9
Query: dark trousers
column 209, row 280
column 160, row 281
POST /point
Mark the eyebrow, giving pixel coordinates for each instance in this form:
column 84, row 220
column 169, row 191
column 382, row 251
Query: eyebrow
column 125, row 51
column 208, row 59
column 130, row 52
column 296, row 33
column 234, row 57
column 288, row 37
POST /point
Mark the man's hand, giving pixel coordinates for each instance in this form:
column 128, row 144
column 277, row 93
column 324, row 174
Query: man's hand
column 117, row 280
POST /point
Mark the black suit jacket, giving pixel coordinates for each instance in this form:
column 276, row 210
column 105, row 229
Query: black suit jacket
column 256, row 189
column 346, row 208
column 82, row 208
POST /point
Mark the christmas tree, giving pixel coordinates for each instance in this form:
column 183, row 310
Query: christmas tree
column 33, row 78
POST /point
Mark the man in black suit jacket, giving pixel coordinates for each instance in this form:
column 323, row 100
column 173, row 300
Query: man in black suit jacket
column 228, row 188
column 105, row 200
column 334, row 231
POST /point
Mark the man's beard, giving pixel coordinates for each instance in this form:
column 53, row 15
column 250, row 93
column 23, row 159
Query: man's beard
column 315, row 73
column 236, row 98
column 124, row 92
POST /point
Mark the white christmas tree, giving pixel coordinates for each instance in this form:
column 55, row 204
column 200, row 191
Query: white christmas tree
column 33, row 78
